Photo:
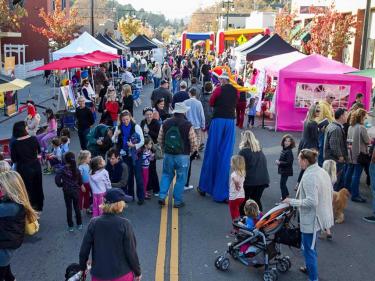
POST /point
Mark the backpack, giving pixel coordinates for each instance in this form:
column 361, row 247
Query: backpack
column 173, row 142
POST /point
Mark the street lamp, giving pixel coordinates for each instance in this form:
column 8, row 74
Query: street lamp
column 228, row 6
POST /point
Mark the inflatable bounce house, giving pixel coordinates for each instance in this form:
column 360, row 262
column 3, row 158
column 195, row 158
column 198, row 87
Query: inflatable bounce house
column 239, row 35
column 188, row 38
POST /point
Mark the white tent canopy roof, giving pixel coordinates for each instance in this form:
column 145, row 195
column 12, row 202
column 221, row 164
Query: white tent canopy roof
column 273, row 65
column 248, row 43
column 157, row 42
column 82, row 45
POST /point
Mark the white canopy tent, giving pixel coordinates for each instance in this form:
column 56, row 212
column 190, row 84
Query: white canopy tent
column 82, row 45
column 157, row 42
column 240, row 55
column 272, row 65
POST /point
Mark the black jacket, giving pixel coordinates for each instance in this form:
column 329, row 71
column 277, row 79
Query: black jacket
column 159, row 93
column 154, row 128
column 256, row 168
column 84, row 118
column 12, row 228
column 111, row 240
column 286, row 162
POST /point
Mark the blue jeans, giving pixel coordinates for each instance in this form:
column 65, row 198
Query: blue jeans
column 372, row 179
column 174, row 164
column 175, row 86
column 135, row 169
column 156, row 82
column 341, row 169
column 311, row 256
column 321, row 149
column 352, row 178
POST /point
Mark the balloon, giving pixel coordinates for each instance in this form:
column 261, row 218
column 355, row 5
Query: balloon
column 141, row 78
column 128, row 64
column 132, row 60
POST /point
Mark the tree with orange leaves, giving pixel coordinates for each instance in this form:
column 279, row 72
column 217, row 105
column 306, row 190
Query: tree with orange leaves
column 61, row 25
column 10, row 17
column 286, row 25
column 330, row 32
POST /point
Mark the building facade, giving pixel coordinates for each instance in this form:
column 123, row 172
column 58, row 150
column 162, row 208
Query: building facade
column 36, row 45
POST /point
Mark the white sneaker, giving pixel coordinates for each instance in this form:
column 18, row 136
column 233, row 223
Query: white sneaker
column 188, row 187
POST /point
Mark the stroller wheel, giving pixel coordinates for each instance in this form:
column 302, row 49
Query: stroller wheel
column 222, row 263
column 270, row 276
column 234, row 253
column 287, row 259
column 283, row 265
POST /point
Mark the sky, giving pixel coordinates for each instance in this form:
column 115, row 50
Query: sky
column 170, row 8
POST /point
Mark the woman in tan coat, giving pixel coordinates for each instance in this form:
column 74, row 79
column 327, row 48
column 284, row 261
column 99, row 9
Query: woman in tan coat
column 358, row 141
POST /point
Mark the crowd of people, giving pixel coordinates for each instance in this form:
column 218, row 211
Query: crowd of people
column 118, row 159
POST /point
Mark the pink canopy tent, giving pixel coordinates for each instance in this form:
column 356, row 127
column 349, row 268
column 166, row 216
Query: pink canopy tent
column 91, row 59
column 309, row 80
column 272, row 65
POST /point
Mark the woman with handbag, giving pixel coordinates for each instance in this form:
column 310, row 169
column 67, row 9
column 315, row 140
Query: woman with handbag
column 358, row 141
column 151, row 128
column 314, row 201
column 15, row 214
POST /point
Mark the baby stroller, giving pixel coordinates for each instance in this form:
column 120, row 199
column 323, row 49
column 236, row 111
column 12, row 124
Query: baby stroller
column 261, row 246
column 73, row 273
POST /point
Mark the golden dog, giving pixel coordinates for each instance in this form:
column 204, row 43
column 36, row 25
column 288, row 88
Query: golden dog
column 339, row 202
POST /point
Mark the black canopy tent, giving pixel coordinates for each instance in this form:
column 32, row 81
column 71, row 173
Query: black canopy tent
column 105, row 41
column 141, row 43
column 275, row 45
column 116, row 42
column 257, row 43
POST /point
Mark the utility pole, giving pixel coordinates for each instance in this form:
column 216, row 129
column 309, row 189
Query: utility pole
column 92, row 18
column 365, row 35
column 229, row 4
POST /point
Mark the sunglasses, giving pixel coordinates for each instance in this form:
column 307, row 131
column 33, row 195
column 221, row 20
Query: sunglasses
column 317, row 111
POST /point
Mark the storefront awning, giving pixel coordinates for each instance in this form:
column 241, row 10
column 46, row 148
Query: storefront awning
column 16, row 84
column 304, row 36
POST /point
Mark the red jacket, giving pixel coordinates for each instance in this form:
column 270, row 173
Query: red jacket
column 112, row 107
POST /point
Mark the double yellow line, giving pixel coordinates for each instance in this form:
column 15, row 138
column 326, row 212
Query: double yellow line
column 162, row 246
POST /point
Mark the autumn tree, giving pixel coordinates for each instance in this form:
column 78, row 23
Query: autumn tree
column 10, row 17
column 129, row 28
column 286, row 25
column 330, row 32
column 60, row 26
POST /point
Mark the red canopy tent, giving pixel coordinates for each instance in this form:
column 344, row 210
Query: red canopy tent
column 91, row 59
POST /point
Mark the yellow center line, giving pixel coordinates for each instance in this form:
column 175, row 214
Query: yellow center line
column 173, row 265
column 160, row 259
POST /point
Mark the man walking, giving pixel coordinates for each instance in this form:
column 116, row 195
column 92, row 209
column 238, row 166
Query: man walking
column 162, row 92
column 182, row 95
column 335, row 145
column 85, row 120
column 177, row 139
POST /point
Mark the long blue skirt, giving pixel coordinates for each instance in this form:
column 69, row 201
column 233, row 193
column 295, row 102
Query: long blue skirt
column 214, row 178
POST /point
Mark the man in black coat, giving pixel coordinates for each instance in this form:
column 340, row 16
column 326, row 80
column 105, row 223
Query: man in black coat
column 85, row 120
column 162, row 92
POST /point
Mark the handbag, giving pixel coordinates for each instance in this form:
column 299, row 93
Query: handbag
column 158, row 151
column 289, row 235
column 363, row 158
column 31, row 227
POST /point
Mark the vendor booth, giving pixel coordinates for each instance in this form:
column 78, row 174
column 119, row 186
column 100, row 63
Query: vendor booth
column 239, row 35
column 9, row 94
column 240, row 56
column 109, row 43
column 82, row 45
column 141, row 43
column 188, row 38
column 275, row 45
column 310, row 80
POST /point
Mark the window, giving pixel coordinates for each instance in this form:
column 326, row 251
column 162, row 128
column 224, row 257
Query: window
column 63, row 4
column 309, row 93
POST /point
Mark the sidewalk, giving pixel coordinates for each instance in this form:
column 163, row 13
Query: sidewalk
column 39, row 93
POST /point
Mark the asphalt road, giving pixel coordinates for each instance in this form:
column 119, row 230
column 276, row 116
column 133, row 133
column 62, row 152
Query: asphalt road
column 186, row 242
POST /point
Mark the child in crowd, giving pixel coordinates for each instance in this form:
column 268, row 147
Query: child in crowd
column 147, row 156
column 99, row 183
column 51, row 131
column 330, row 167
column 53, row 159
column 252, row 111
column 64, row 144
column 236, row 190
column 253, row 215
column 285, row 163
column 84, row 159
column 69, row 178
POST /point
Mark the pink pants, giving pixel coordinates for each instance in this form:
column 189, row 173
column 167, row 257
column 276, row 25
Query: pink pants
column 145, row 175
column 126, row 277
column 97, row 200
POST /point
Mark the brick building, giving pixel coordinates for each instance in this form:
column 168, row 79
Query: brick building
column 37, row 45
